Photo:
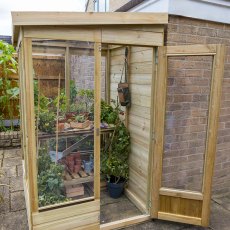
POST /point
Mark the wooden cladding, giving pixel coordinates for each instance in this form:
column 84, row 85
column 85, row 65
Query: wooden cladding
column 181, row 206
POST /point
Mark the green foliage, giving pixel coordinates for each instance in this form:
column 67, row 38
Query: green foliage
column 109, row 114
column 73, row 92
column 86, row 97
column 46, row 122
column 7, row 60
column 80, row 118
column 62, row 102
column 8, row 92
column 115, row 156
column 50, row 184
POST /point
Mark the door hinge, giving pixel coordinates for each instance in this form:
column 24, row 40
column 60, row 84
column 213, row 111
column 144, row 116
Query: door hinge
column 156, row 56
column 153, row 136
column 150, row 204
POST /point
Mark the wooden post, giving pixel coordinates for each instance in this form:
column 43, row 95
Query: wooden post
column 30, row 124
column 107, row 77
column 97, row 115
column 67, row 76
column 161, row 81
column 213, row 119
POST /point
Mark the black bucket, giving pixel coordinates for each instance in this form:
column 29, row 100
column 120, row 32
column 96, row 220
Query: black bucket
column 115, row 190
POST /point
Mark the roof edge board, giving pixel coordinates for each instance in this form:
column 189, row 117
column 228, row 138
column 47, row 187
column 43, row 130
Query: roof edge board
column 215, row 10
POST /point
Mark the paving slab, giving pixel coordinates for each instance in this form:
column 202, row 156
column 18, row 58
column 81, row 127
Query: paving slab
column 14, row 221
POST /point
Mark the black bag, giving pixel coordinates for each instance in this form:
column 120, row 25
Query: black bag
column 123, row 87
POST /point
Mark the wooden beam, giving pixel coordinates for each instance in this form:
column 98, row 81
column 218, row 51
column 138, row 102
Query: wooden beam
column 191, row 50
column 107, row 77
column 181, row 193
column 71, row 18
column 132, row 37
column 97, row 118
column 65, row 212
column 63, row 33
column 30, row 124
column 67, row 76
column 161, row 85
column 179, row 218
column 213, row 118
column 125, row 223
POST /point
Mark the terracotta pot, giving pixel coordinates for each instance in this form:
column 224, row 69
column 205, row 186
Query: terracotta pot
column 61, row 126
column 70, row 115
column 77, row 155
column 77, row 162
column 77, row 168
column 70, row 158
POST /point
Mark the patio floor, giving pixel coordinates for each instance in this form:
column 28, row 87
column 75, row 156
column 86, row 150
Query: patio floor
column 13, row 213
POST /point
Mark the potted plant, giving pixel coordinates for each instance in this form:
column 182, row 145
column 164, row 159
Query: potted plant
column 115, row 159
column 81, row 122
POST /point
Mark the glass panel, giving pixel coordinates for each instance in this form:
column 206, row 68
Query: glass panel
column 188, row 90
column 64, row 99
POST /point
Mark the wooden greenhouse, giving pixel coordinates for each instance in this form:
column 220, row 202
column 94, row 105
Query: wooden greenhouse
column 71, row 66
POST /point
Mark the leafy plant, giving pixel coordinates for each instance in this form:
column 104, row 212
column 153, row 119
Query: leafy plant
column 9, row 90
column 109, row 114
column 73, row 92
column 80, row 118
column 46, row 122
column 86, row 97
column 62, row 102
column 116, row 154
column 50, row 183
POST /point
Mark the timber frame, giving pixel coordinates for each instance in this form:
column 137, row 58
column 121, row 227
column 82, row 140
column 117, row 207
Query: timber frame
column 141, row 32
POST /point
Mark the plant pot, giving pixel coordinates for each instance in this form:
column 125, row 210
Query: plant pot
column 78, row 125
column 61, row 126
column 70, row 115
column 77, row 168
column 77, row 155
column 115, row 190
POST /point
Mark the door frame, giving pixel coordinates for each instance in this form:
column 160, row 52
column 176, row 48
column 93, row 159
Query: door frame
column 204, row 197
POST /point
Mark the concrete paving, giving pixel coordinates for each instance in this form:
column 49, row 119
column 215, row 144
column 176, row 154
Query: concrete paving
column 13, row 213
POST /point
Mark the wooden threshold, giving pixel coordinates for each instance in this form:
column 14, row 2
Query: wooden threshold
column 125, row 222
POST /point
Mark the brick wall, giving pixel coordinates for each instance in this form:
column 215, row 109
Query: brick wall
column 82, row 71
column 179, row 31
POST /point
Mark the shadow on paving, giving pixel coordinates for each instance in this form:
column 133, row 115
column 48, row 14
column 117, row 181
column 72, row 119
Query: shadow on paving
column 13, row 214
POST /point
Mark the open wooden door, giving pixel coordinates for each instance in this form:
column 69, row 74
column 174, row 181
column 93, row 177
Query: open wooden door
column 187, row 104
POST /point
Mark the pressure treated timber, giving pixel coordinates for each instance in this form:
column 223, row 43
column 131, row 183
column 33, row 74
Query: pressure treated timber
column 70, row 18
column 125, row 223
column 70, row 222
column 179, row 218
column 65, row 33
column 30, row 125
column 181, row 193
column 131, row 37
column 135, row 200
column 214, row 109
column 180, row 206
column 159, row 130
column 65, row 212
column 67, row 76
column 97, row 115
column 191, row 50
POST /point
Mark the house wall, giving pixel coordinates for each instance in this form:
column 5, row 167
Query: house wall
column 113, row 5
column 182, row 31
